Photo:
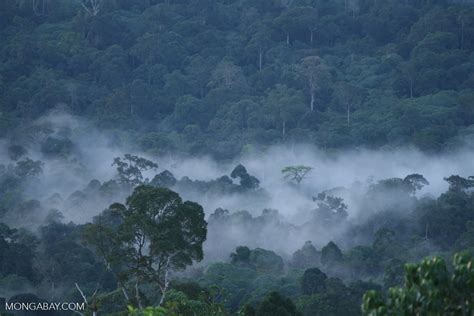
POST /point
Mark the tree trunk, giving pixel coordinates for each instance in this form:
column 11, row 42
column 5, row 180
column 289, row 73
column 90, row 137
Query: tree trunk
column 312, row 101
column 137, row 296
column 163, row 294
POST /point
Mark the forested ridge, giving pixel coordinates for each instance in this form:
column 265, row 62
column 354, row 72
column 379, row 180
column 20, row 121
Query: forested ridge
column 220, row 76
column 247, row 158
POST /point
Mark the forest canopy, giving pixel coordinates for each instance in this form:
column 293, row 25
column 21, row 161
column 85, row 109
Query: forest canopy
column 247, row 158
column 220, row 76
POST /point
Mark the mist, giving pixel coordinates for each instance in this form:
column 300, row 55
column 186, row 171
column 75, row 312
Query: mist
column 349, row 174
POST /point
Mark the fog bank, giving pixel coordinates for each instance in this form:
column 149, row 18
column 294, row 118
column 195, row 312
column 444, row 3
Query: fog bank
column 90, row 155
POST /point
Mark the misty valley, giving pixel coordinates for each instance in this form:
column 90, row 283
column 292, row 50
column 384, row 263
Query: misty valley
column 237, row 158
column 294, row 227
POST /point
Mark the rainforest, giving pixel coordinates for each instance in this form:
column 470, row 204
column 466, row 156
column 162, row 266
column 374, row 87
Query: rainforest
column 236, row 157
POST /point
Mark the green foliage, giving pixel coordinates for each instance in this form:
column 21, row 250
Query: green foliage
column 262, row 260
column 429, row 290
column 224, row 78
column 313, row 281
column 148, row 311
column 416, row 181
column 363, row 260
column 306, row 257
column 241, row 256
column 393, row 275
column 144, row 240
column 466, row 239
column 266, row 261
column 130, row 169
column 410, row 184
column 276, row 305
column 17, row 255
column 246, row 181
column 331, row 210
column 178, row 303
column 28, row 168
column 164, row 179
column 65, row 261
column 457, row 183
column 296, row 173
column 215, row 77
column 445, row 219
column 233, row 279
column 331, row 254
column 247, row 310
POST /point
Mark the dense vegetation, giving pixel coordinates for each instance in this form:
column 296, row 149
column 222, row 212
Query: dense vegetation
column 135, row 255
column 219, row 76
column 224, row 78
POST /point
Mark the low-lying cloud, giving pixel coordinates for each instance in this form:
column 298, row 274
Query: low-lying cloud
column 351, row 171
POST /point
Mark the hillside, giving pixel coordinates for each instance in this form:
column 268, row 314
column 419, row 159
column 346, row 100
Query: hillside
column 223, row 76
column 236, row 157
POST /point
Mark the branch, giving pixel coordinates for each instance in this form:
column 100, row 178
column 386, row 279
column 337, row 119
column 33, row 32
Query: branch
column 86, row 8
column 124, row 292
column 94, row 9
column 82, row 294
column 95, row 291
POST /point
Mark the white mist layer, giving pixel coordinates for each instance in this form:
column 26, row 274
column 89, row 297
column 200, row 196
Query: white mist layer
column 352, row 169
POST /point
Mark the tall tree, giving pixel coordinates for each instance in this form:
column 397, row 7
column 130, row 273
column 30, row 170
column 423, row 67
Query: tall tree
column 349, row 96
column 408, row 73
column 145, row 240
column 331, row 209
column 286, row 104
column 130, row 168
column 315, row 72
column 297, row 20
column 259, row 43
column 296, row 173
column 227, row 75
column 247, row 181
